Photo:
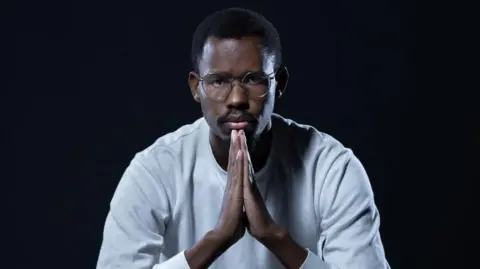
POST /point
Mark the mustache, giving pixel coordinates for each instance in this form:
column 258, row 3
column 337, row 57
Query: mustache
column 237, row 117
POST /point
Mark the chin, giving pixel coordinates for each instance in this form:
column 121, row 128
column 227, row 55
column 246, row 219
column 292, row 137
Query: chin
column 221, row 133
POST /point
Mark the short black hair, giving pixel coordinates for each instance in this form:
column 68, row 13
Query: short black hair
column 236, row 23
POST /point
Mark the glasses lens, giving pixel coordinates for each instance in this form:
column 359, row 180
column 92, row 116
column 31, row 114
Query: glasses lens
column 216, row 86
column 257, row 83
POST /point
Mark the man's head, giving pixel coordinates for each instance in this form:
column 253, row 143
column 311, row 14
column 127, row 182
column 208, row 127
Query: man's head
column 236, row 56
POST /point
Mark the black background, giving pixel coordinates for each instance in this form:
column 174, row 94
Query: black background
column 90, row 83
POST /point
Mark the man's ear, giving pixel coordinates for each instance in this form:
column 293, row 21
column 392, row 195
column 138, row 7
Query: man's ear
column 281, row 77
column 194, row 83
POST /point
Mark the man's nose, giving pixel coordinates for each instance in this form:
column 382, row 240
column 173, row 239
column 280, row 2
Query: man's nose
column 238, row 97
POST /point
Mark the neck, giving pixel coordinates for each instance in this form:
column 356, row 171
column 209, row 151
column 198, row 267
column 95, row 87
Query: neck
column 259, row 149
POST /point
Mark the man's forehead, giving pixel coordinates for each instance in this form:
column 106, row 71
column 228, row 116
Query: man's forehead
column 234, row 56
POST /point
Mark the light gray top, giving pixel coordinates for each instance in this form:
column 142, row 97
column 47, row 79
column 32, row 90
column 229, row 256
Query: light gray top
column 171, row 193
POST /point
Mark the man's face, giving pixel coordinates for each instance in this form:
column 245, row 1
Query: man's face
column 235, row 58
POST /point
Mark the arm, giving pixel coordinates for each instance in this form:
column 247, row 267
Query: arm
column 205, row 252
column 349, row 222
column 135, row 225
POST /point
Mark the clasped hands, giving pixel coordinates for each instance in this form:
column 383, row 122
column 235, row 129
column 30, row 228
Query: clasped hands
column 243, row 207
column 243, row 210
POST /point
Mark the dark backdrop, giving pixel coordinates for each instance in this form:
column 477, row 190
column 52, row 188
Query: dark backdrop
column 90, row 83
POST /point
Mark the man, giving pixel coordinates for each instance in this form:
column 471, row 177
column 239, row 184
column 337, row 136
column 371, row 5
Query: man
column 242, row 187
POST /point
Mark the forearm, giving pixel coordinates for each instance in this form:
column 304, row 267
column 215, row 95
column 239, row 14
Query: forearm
column 287, row 251
column 206, row 251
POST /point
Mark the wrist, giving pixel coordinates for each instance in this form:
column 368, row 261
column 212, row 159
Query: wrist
column 275, row 236
column 220, row 239
column 284, row 247
column 207, row 250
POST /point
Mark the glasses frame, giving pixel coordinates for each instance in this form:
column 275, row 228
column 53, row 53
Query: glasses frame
column 242, row 83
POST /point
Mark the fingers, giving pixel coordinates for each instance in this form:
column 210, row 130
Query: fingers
column 239, row 168
column 239, row 160
column 237, row 179
column 250, row 171
column 232, row 152
column 241, row 139
column 245, row 168
column 246, row 160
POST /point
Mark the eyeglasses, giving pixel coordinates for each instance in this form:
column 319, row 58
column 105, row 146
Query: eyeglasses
column 218, row 86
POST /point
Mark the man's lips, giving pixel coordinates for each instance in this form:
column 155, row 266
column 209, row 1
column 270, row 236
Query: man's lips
column 237, row 125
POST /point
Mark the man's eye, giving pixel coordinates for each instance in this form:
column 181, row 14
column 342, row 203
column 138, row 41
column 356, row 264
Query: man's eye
column 254, row 79
column 218, row 82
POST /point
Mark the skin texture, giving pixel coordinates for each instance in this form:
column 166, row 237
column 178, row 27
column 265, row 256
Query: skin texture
column 237, row 57
column 230, row 147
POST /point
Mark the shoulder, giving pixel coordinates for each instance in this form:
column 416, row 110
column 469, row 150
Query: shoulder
column 171, row 151
column 316, row 148
column 328, row 162
column 337, row 174
column 151, row 173
column 183, row 139
column 185, row 135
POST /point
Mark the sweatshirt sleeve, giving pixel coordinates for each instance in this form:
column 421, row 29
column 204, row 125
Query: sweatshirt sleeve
column 349, row 220
column 135, row 224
